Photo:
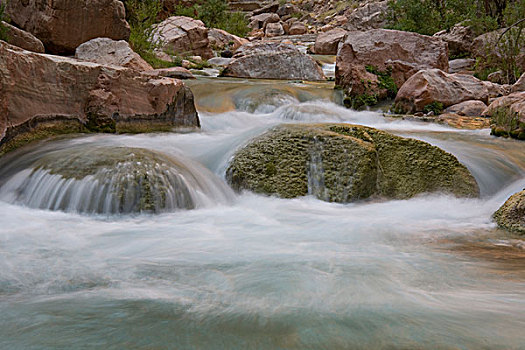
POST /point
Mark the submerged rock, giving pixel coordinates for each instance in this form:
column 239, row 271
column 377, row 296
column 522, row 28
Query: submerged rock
column 511, row 215
column 273, row 61
column 109, row 180
column 344, row 163
column 44, row 95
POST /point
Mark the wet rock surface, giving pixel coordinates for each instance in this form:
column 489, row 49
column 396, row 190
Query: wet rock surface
column 344, row 163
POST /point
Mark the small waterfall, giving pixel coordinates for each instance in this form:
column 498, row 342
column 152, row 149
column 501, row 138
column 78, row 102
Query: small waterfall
column 316, row 183
column 111, row 180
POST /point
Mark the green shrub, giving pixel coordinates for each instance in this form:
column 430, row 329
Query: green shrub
column 3, row 17
column 435, row 107
column 385, row 80
column 430, row 16
column 215, row 14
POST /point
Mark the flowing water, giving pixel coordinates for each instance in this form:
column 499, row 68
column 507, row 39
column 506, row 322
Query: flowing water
column 245, row 271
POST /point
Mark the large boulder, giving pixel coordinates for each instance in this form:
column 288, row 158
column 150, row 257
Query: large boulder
column 366, row 59
column 221, row 39
column 471, row 108
column 62, row 25
column 459, row 39
column 372, row 15
column 43, row 95
column 511, row 215
column 298, row 28
column 326, row 43
column 344, row 163
column 111, row 52
column 262, row 20
column 183, row 36
column 508, row 115
column 272, row 61
column 461, row 65
column 274, row 29
column 431, row 86
column 23, row 39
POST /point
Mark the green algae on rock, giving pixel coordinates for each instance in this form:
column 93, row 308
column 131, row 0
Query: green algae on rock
column 511, row 215
column 344, row 163
column 110, row 180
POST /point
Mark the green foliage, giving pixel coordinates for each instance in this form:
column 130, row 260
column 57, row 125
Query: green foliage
column 3, row 17
column 430, row 16
column 215, row 14
column 358, row 102
column 506, row 123
column 434, row 107
column 385, row 80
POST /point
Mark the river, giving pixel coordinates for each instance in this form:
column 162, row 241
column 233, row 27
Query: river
column 245, row 271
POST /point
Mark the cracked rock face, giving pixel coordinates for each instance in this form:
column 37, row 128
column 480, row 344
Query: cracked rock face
column 345, row 163
column 273, row 61
column 62, row 25
column 64, row 95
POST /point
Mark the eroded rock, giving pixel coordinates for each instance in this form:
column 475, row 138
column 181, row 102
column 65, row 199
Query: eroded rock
column 435, row 86
column 397, row 54
column 64, row 95
column 183, row 36
column 272, row 61
column 344, row 163
column 62, row 25
column 511, row 215
column 326, row 43
column 106, row 51
column 23, row 39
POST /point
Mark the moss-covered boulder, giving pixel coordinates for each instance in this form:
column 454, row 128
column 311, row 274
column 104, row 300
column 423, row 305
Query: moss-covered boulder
column 511, row 215
column 343, row 163
column 105, row 180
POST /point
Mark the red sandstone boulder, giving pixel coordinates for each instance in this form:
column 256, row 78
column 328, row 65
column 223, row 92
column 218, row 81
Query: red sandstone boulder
column 110, row 52
column 64, row 95
column 23, row 39
column 221, row 39
column 183, row 35
column 268, row 60
column 400, row 54
column 433, row 85
column 62, row 25
column 327, row 42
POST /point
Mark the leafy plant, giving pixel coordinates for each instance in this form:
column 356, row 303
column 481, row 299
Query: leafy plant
column 434, row 107
column 385, row 80
column 215, row 14
column 3, row 17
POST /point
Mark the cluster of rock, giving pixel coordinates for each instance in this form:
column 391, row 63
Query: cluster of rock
column 106, row 87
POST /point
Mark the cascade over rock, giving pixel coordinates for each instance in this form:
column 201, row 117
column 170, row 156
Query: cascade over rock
column 107, row 180
column 43, row 95
column 344, row 163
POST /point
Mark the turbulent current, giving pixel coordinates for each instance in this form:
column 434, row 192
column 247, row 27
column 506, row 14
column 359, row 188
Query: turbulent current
column 217, row 270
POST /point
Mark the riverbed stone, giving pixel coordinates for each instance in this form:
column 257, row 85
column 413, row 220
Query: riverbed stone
column 372, row 65
column 345, row 163
column 326, row 43
column 508, row 115
column 111, row 52
column 65, row 95
column 433, row 86
column 511, row 215
column 182, row 35
column 269, row 60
